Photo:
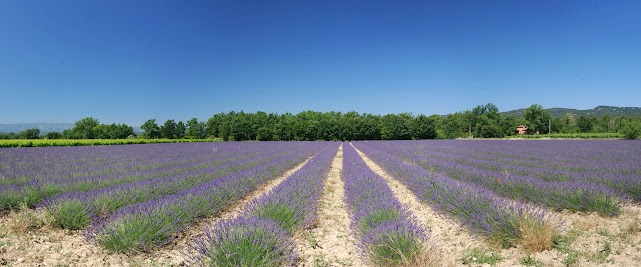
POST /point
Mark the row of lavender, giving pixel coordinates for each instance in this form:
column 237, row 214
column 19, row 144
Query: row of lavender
column 574, row 195
column 573, row 155
column 77, row 209
column 149, row 224
column 610, row 163
column 29, row 174
column 480, row 210
column 29, row 180
column 262, row 235
column 23, row 165
column 388, row 231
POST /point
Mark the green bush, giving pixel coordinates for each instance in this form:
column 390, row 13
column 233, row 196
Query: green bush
column 631, row 130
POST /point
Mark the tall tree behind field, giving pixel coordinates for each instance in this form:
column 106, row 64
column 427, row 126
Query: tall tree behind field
column 151, row 129
column 84, row 129
column 485, row 121
column 33, row 133
column 180, row 130
column 113, row 131
column 585, row 124
column 396, row 127
column 195, row 129
column 168, row 130
column 424, row 127
column 453, row 126
column 538, row 118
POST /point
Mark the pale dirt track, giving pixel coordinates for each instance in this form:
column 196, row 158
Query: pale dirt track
column 330, row 242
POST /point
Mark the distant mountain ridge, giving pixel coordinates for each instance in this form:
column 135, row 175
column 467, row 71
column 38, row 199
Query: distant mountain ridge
column 598, row 111
column 43, row 126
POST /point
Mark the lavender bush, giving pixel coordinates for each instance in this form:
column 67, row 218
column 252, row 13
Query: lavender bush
column 30, row 174
column 75, row 210
column 479, row 209
column 570, row 193
column 389, row 232
column 153, row 223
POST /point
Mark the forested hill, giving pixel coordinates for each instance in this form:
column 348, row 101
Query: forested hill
column 595, row 112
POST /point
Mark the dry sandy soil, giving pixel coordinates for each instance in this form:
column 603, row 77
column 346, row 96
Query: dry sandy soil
column 330, row 243
column 28, row 239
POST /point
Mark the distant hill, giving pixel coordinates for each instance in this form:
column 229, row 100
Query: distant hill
column 44, row 127
column 597, row 111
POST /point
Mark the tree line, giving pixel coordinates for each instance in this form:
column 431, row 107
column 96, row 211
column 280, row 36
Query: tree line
column 482, row 121
column 87, row 128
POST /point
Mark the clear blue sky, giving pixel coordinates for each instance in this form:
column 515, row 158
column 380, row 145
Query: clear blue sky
column 128, row 61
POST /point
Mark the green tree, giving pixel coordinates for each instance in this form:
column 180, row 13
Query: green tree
column 151, row 129
column 396, row 127
column 33, row 133
column 584, row 124
column 102, row 131
column 168, row 130
column 264, row 133
column 568, row 123
column 241, row 127
column 113, row 131
column 180, row 130
column 423, row 127
column 538, row 118
column 5, row 136
column 485, row 121
column 85, row 129
column 214, row 124
column 631, row 130
column 53, row 135
column 508, row 125
column 453, row 126
column 196, row 129
column 557, row 125
column 120, row 131
column 490, row 131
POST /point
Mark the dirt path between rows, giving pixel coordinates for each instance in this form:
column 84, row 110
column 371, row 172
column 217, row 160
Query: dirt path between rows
column 330, row 243
column 54, row 247
column 452, row 240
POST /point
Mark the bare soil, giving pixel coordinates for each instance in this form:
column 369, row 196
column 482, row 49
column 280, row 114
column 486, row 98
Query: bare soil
column 595, row 240
column 329, row 242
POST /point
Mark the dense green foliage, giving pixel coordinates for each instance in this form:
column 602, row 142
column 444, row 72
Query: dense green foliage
column 632, row 130
column 538, row 119
column 574, row 136
column 484, row 121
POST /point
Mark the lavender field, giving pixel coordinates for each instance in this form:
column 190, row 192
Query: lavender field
column 405, row 203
